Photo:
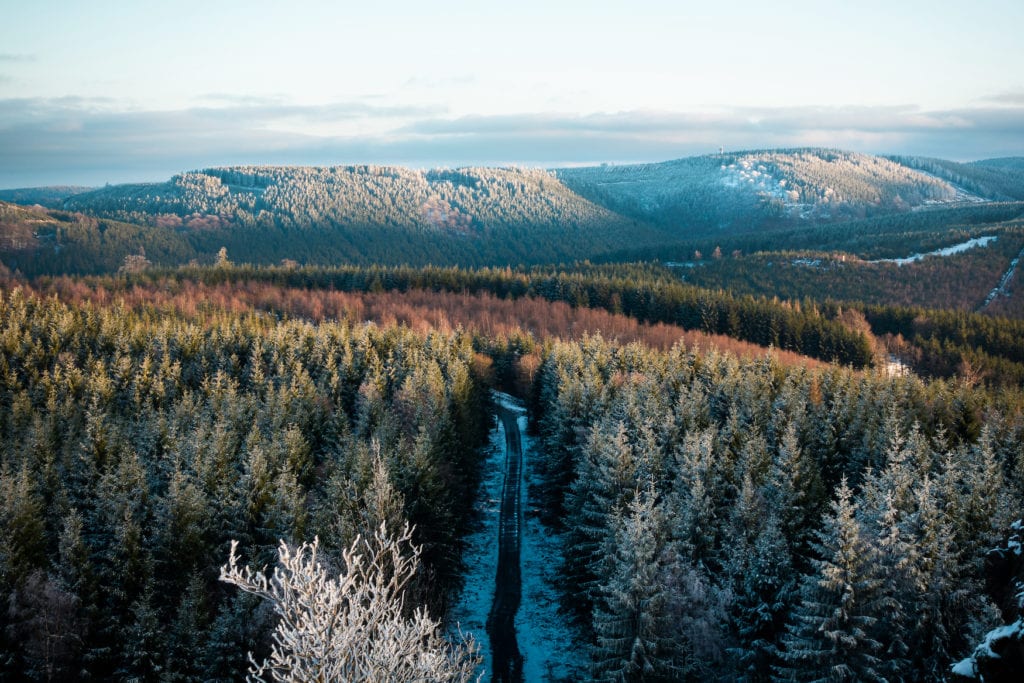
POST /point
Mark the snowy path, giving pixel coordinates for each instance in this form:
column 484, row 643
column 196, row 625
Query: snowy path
column 544, row 638
column 506, row 660
column 1003, row 282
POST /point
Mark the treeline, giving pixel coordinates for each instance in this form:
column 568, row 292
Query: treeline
column 812, row 330
column 959, row 281
column 734, row 520
column 650, row 294
column 523, row 323
column 890, row 236
column 135, row 444
column 373, row 214
column 726, row 193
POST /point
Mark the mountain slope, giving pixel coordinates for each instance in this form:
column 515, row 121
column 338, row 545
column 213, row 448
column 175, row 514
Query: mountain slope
column 470, row 216
column 997, row 179
column 38, row 241
column 734, row 192
column 508, row 216
column 51, row 197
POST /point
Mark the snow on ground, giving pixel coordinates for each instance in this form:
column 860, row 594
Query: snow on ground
column 481, row 553
column 960, row 195
column 895, row 367
column 946, row 251
column 1004, row 281
column 550, row 645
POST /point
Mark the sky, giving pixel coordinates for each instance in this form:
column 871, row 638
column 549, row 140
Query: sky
column 111, row 91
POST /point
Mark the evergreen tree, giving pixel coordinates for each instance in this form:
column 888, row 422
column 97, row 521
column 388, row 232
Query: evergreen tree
column 832, row 636
column 636, row 640
column 605, row 480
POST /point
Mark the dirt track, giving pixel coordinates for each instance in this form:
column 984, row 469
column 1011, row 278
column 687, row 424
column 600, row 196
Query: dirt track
column 501, row 627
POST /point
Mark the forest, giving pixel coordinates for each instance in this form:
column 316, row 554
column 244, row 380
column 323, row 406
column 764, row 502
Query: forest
column 137, row 445
column 800, row 199
column 709, row 494
column 757, row 450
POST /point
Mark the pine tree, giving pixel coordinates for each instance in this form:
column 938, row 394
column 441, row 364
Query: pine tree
column 697, row 487
column 764, row 582
column 795, row 490
column 605, row 479
column 831, row 636
column 635, row 638
column 947, row 597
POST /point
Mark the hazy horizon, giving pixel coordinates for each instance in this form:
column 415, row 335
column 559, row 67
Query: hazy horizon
column 163, row 176
column 126, row 92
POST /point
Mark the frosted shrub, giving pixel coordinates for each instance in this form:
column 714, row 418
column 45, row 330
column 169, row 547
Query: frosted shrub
column 352, row 627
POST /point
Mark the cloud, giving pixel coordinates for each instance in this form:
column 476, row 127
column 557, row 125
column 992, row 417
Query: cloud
column 94, row 140
column 9, row 57
column 1014, row 97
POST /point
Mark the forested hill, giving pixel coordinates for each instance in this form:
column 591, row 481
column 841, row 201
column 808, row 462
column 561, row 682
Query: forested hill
column 497, row 216
column 993, row 178
column 733, row 192
column 52, row 196
column 374, row 214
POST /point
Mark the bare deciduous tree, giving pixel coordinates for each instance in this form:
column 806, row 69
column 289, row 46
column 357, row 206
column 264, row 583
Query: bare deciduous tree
column 352, row 627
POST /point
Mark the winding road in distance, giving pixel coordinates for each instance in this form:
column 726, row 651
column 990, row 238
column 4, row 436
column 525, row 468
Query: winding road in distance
column 501, row 627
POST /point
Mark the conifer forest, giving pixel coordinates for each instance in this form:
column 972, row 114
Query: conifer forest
column 624, row 424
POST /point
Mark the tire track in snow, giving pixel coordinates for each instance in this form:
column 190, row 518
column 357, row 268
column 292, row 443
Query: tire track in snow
column 507, row 660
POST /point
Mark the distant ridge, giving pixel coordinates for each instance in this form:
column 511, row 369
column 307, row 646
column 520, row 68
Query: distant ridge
column 51, row 197
column 502, row 216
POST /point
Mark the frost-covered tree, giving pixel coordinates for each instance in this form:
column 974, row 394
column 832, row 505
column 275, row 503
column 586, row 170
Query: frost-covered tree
column 1000, row 655
column 764, row 585
column 352, row 627
column 832, row 635
column 635, row 638
column 605, row 480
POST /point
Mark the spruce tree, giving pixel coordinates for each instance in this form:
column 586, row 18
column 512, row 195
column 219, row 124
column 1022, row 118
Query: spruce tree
column 634, row 634
column 832, row 633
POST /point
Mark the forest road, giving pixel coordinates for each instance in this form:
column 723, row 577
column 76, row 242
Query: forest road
column 501, row 626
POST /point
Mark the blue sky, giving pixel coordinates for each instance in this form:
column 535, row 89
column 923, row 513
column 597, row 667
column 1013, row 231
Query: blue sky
column 119, row 91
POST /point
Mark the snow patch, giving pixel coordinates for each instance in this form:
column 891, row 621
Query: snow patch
column 508, row 402
column 960, row 195
column 895, row 367
column 546, row 637
column 469, row 613
column 966, row 668
column 945, row 251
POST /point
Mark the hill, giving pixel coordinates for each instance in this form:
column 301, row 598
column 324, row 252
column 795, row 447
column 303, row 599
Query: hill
column 52, row 197
column 38, row 241
column 733, row 192
column 1001, row 179
column 374, row 214
column 747, row 201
